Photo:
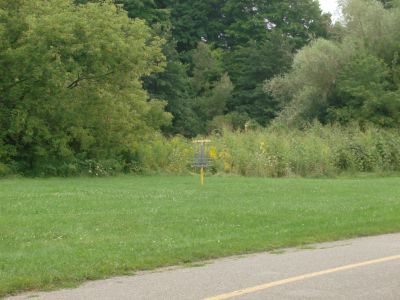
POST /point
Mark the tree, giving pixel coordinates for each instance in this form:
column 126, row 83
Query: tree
column 270, row 31
column 267, row 32
column 196, row 21
column 354, row 78
column 249, row 66
column 211, row 88
column 173, row 86
column 152, row 11
column 70, row 86
column 304, row 91
column 374, row 29
column 228, row 23
column 389, row 3
column 247, row 20
column 363, row 93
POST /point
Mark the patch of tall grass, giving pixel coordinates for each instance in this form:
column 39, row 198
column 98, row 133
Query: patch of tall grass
column 281, row 152
column 316, row 151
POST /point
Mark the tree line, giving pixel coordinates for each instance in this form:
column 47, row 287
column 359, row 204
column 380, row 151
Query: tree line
column 83, row 82
column 354, row 77
column 220, row 52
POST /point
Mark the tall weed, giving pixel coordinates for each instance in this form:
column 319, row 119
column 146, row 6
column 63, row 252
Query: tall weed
column 281, row 152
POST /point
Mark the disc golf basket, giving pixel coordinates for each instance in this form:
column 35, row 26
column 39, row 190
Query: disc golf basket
column 201, row 159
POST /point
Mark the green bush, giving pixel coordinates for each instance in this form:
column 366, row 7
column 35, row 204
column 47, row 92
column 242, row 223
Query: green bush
column 5, row 170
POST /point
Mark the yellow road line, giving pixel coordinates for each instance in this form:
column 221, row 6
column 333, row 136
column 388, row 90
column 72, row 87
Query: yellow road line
column 301, row 277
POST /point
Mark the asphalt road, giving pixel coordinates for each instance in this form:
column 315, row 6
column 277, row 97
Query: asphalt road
column 365, row 268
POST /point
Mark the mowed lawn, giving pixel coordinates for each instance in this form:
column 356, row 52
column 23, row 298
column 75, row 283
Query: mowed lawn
column 60, row 232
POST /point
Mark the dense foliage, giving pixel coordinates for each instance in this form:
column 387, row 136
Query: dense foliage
column 355, row 78
column 70, row 85
column 281, row 152
column 87, row 85
column 238, row 34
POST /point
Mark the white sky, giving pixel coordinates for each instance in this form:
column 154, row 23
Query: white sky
column 330, row 6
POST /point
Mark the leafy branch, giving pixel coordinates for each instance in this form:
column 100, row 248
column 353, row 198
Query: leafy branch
column 80, row 78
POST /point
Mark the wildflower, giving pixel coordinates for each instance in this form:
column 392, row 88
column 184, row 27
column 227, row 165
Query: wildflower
column 213, row 153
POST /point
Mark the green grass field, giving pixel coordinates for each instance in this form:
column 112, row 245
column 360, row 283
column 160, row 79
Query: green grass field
column 60, row 232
